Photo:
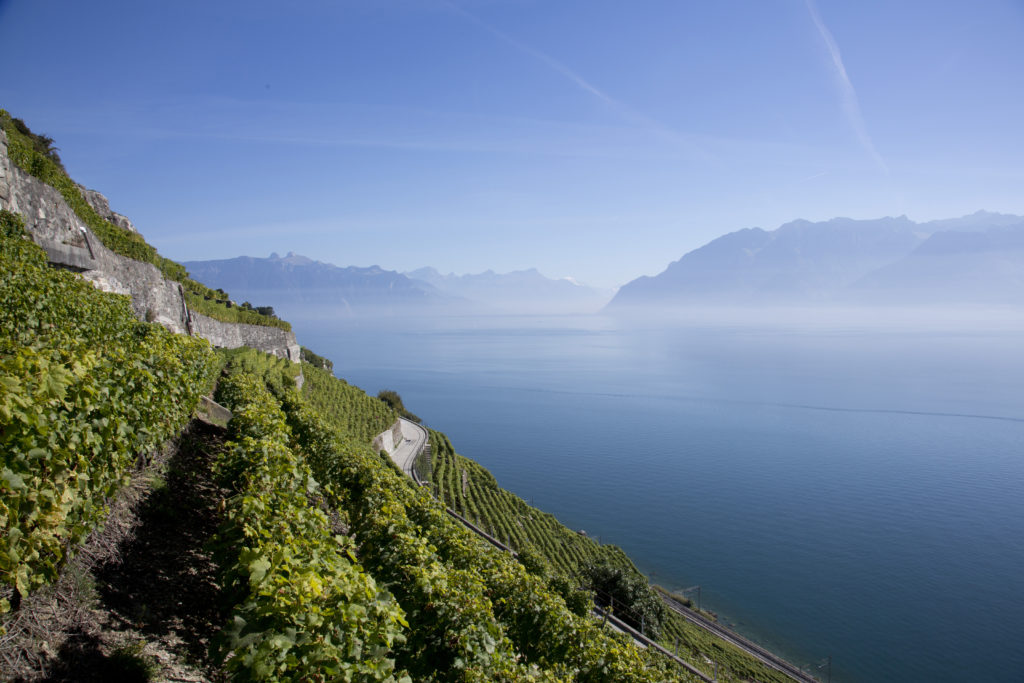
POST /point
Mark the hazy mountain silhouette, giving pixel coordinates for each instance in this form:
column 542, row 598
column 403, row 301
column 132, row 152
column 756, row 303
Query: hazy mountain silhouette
column 293, row 284
column 521, row 291
column 955, row 267
column 299, row 286
column 895, row 260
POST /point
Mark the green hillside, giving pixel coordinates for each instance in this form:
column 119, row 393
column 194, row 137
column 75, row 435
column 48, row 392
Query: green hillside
column 35, row 155
column 325, row 562
column 75, row 365
column 472, row 491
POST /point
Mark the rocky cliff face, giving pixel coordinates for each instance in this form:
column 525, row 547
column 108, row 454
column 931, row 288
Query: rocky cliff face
column 98, row 202
column 54, row 226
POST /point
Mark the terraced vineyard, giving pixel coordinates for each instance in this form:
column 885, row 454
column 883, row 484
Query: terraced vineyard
column 335, row 565
column 74, row 363
column 472, row 491
column 356, row 414
column 472, row 613
column 468, row 488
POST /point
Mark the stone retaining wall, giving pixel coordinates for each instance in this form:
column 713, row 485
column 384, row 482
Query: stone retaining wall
column 386, row 441
column 273, row 340
column 54, row 226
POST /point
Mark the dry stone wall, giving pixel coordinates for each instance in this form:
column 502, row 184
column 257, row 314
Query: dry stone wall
column 232, row 335
column 54, row 226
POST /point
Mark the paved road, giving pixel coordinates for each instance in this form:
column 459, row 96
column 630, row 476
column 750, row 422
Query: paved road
column 405, row 452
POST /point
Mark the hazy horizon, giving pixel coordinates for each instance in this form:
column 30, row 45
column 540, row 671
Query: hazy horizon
column 593, row 140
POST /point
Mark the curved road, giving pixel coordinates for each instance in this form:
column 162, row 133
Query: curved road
column 404, row 454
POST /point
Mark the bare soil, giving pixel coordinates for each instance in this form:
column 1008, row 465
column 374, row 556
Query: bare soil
column 141, row 600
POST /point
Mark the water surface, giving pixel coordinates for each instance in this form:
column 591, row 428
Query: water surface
column 835, row 490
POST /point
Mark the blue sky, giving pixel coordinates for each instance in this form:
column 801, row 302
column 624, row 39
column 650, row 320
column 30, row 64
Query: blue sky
column 595, row 139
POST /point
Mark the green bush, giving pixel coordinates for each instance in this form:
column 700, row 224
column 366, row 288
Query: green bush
column 303, row 608
column 85, row 390
column 11, row 224
column 628, row 594
column 394, row 401
column 316, row 360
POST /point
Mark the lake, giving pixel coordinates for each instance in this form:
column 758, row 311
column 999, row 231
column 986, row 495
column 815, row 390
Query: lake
column 843, row 490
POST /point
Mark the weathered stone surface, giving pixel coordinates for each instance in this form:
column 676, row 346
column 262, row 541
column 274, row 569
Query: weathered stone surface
column 5, row 176
column 273, row 340
column 214, row 409
column 54, row 226
column 101, row 205
column 47, row 215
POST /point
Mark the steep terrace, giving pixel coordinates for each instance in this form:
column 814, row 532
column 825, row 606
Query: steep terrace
column 70, row 244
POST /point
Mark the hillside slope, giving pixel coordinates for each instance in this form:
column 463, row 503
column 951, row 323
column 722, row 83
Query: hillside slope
column 315, row 559
column 60, row 217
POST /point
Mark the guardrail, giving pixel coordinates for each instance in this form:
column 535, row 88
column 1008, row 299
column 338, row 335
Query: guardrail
column 750, row 647
column 617, row 623
column 420, row 472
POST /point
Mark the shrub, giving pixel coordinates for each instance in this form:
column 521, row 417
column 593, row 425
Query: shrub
column 304, row 609
column 85, row 390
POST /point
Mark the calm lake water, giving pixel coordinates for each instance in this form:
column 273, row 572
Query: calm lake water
column 842, row 491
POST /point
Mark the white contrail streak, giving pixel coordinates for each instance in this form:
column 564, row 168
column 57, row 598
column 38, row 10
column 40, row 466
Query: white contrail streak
column 623, row 110
column 851, row 106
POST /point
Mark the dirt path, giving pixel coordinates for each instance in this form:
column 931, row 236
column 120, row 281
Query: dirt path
column 141, row 601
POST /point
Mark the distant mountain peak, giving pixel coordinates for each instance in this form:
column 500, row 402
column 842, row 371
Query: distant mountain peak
column 803, row 261
column 517, row 291
column 295, row 281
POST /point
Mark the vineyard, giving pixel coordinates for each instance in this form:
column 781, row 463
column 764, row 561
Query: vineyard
column 473, row 492
column 350, row 410
column 303, row 608
column 473, row 613
column 468, row 488
column 27, row 153
column 85, row 391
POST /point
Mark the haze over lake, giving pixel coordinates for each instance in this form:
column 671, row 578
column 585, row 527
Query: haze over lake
column 837, row 488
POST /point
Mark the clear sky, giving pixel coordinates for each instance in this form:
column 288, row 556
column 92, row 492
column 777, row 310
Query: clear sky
column 588, row 138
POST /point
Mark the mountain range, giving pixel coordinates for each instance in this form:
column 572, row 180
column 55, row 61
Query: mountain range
column 975, row 259
column 295, row 283
column 520, row 291
column 972, row 259
column 299, row 286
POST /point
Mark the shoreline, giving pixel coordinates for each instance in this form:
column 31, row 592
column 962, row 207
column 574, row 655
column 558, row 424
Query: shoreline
column 408, row 440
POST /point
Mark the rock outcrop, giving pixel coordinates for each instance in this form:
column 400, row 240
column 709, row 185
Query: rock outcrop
column 102, row 206
column 54, row 226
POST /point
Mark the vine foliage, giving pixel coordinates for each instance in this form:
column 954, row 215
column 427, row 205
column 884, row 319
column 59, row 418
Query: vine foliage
column 85, row 391
column 29, row 153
